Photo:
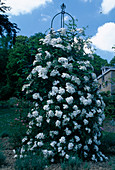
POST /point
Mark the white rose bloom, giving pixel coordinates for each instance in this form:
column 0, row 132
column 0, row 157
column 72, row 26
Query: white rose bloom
column 59, row 98
column 75, row 107
column 100, row 120
column 24, row 139
column 82, row 68
column 70, row 146
column 58, row 123
column 35, row 113
column 61, row 90
column 62, row 139
column 86, row 78
column 65, row 75
column 67, row 131
column 50, row 113
column 60, row 46
column 89, row 141
column 29, row 115
column 70, row 88
column 25, row 86
column 55, row 89
column 48, row 55
column 59, row 149
column 54, row 73
column 40, row 144
column 98, row 102
column 67, row 156
column 45, row 153
column 93, row 158
column 62, row 153
column 46, row 107
column 49, row 101
column 85, row 147
column 49, row 64
column 76, row 80
column 65, row 106
column 77, row 138
column 93, row 75
column 40, row 136
column 69, row 100
column 55, row 82
column 37, row 96
column 58, row 113
column 96, row 148
column 85, row 154
column 53, row 144
column 90, row 114
column 62, row 31
column 87, row 88
column 62, row 60
column 87, row 129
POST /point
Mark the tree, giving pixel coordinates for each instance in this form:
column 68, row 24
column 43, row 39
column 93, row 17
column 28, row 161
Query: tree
column 97, row 63
column 6, row 27
column 20, row 61
column 112, row 62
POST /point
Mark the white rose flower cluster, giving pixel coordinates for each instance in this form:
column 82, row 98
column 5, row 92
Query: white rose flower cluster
column 68, row 110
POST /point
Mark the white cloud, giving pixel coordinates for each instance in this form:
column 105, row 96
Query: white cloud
column 24, row 6
column 107, row 6
column 45, row 17
column 105, row 37
column 87, row 0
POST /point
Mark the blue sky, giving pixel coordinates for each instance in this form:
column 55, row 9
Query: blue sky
column 99, row 15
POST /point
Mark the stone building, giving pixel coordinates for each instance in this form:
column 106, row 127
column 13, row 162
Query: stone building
column 107, row 79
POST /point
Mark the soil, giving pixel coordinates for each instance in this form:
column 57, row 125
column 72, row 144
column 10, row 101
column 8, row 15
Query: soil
column 108, row 165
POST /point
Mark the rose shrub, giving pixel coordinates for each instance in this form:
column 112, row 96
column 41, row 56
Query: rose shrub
column 68, row 109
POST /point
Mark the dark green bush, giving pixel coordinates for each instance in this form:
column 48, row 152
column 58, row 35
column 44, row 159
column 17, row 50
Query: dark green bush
column 4, row 134
column 108, row 142
column 72, row 164
column 2, row 158
column 109, row 101
column 31, row 162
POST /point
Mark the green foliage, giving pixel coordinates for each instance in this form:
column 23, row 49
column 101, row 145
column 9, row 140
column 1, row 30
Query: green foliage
column 31, row 162
column 2, row 158
column 6, row 27
column 16, row 63
column 97, row 63
column 109, row 101
column 112, row 62
column 107, row 142
column 73, row 163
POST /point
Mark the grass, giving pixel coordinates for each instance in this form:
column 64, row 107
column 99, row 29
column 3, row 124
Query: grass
column 6, row 118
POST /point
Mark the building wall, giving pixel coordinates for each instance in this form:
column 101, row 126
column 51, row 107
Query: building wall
column 113, row 82
column 105, row 82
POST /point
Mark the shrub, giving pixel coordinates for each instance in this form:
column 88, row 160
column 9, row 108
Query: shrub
column 2, row 158
column 67, row 108
column 73, row 163
column 107, row 142
column 109, row 104
column 31, row 162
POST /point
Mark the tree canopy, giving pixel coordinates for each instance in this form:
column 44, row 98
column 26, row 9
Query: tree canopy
column 7, row 27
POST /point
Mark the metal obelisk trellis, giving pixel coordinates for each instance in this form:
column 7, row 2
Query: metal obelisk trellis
column 62, row 16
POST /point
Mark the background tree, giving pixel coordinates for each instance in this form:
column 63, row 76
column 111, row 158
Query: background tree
column 97, row 63
column 7, row 27
column 20, row 61
column 112, row 62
